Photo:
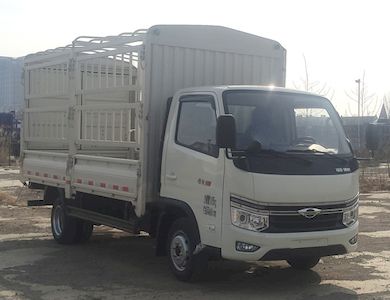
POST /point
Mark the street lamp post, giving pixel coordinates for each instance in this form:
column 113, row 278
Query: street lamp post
column 358, row 121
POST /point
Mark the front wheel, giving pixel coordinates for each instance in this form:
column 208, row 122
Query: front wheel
column 182, row 240
column 303, row 262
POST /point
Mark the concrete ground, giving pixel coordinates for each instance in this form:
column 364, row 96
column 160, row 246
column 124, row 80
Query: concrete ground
column 115, row 265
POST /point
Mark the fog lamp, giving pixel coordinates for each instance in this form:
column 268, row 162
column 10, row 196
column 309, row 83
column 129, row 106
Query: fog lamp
column 353, row 241
column 245, row 247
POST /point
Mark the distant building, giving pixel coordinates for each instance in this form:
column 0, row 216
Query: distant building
column 11, row 88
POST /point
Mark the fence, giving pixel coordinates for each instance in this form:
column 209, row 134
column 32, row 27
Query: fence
column 374, row 176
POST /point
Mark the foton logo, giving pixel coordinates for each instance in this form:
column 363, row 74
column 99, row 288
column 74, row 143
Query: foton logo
column 309, row 213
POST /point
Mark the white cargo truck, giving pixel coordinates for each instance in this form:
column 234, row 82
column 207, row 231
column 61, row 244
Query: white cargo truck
column 181, row 132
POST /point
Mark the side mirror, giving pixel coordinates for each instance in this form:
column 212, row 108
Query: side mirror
column 373, row 136
column 226, row 131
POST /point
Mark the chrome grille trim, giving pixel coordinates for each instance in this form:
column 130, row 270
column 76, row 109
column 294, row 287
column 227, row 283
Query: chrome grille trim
column 323, row 211
column 262, row 207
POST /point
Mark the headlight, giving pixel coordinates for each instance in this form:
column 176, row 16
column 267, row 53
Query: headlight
column 350, row 216
column 246, row 217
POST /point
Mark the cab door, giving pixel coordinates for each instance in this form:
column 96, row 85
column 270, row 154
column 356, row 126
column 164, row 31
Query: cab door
column 194, row 166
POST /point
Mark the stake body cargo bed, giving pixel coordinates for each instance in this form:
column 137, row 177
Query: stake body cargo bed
column 94, row 110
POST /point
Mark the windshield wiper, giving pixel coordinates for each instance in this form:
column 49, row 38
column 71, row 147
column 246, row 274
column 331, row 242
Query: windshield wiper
column 314, row 151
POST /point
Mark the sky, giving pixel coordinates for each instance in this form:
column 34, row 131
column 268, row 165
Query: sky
column 341, row 40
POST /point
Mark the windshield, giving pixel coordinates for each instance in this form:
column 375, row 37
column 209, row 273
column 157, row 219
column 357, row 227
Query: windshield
column 285, row 122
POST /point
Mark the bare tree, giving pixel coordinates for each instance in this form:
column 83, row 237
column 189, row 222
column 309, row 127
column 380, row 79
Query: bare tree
column 316, row 87
column 369, row 102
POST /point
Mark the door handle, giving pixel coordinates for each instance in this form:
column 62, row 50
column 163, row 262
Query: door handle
column 171, row 176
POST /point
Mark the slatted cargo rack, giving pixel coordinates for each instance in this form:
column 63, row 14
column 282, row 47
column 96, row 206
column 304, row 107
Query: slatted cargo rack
column 94, row 83
column 85, row 97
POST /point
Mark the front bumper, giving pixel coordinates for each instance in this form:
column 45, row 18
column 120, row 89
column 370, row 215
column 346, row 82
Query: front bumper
column 281, row 245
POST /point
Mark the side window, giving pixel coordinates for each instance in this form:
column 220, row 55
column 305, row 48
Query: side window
column 197, row 123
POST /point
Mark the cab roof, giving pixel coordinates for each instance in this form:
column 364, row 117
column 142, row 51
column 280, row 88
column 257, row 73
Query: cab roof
column 222, row 88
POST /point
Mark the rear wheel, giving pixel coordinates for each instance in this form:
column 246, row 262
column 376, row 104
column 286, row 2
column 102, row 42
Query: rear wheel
column 66, row 229
column 182, row 240
column 84, row 231
column 303, row 262
column 63, row 227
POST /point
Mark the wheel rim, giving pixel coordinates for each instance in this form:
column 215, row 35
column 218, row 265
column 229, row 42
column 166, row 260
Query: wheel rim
column 179, row 251
column 58, row 220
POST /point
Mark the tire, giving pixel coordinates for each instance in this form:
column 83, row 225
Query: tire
column 182, row 240
column 63, row 227
column 303, row 262
column 84, row 231
column 66, row 229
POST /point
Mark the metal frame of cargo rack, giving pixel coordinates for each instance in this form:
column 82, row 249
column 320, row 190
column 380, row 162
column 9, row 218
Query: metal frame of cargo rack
column 89, row 66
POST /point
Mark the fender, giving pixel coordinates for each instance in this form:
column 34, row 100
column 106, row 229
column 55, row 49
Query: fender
column 168, row 211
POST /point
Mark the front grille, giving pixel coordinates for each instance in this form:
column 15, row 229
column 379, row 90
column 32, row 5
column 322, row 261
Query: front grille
column 287, row 218
column 298, row 223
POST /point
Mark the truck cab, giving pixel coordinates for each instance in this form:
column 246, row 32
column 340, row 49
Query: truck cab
column 285, row 188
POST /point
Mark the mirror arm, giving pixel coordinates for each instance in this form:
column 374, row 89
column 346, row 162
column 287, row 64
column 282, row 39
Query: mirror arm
column 228, row 156
column 233, row 154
